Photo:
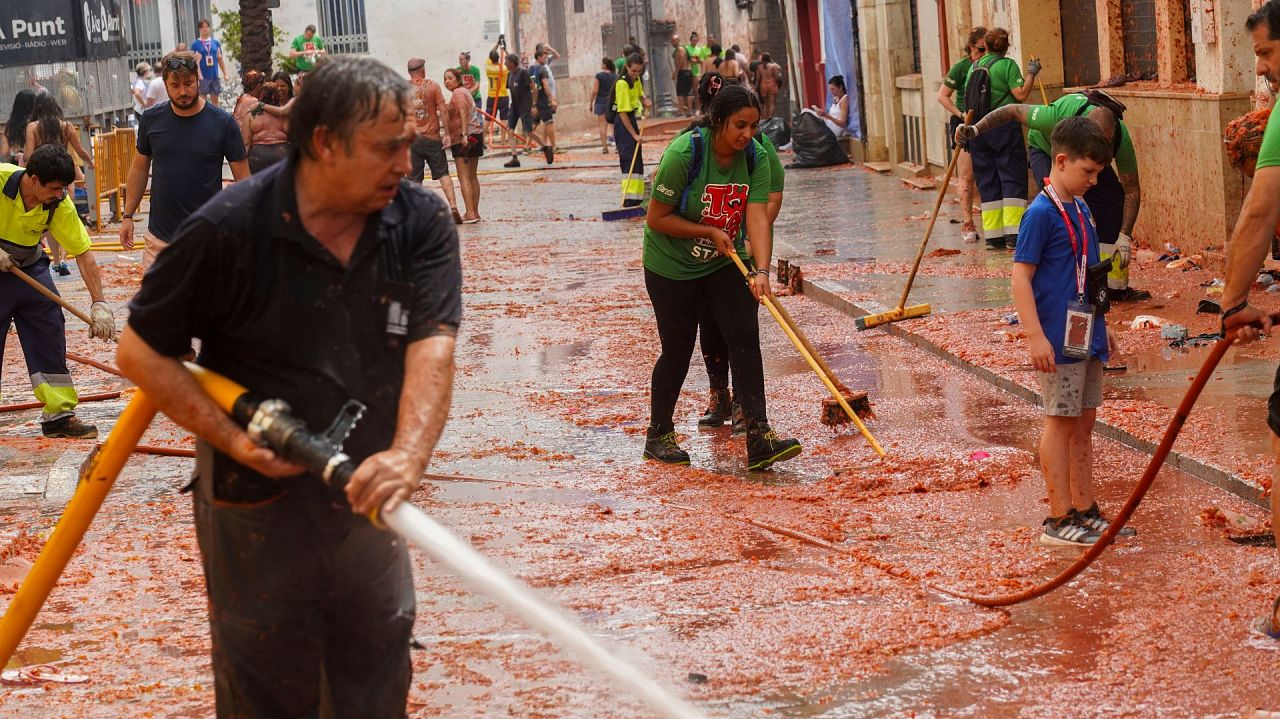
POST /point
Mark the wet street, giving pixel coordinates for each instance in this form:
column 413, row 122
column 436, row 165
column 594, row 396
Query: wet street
column 811, row 590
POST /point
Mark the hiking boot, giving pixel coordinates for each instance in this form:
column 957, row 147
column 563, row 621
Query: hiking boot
column 719, row 409
column 969, row 232
column 739, row 422
column 1011, row 243
column 664, row 448
column 1129, row 294
column 549, row 153
column 1067, row 531
column 1093, row 519
column 513, row 162
column 68, row 427
column 764, row 448
column 995, row 244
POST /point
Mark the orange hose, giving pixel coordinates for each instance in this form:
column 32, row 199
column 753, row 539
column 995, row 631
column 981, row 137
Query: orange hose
column 164, row 451
column 1148, row 477
column 94, row 363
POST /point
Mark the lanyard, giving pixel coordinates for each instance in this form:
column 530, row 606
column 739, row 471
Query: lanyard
column 1083, row 249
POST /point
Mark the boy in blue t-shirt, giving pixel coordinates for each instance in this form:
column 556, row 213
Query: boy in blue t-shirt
column 1068, row 341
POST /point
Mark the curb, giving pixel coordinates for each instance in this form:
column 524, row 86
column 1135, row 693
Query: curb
column 823, row 292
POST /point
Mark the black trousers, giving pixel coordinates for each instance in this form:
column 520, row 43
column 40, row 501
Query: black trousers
column 715, row 353
column 310, row 608
column 676, row 304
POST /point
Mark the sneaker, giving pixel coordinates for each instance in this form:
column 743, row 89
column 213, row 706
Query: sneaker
column 995, row 244
column 664, row 448
column 1129, row 294
column 62, row 269
column 1266, row 624
column 1011, row 243
column 549, row 153
column 764, row 448
column 513, row 162
column 719, row 409
column 1067, row 532
column 969, row 232
column 68, row 427
column 1093, row 519
column 739, row 422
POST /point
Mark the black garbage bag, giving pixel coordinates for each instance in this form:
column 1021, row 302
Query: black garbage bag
column 813, row 143
column 776, row 129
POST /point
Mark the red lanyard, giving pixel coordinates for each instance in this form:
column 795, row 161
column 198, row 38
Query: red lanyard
column 1083, row 248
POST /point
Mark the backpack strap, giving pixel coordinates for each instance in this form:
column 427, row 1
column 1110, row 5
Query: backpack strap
column 695, row 166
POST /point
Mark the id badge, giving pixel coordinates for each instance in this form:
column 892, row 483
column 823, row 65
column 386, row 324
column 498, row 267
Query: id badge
column 1078, row 334
column 208, row 60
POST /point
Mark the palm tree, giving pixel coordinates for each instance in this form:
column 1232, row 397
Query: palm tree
column 255, row 36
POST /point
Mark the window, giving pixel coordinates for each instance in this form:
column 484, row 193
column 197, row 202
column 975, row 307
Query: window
column 557, row 37
column 1141, row 58
column 188, row 14
column 579, row 6
column 915, row 37
column 142, row 30
column 1080, row 61
column 343, row 27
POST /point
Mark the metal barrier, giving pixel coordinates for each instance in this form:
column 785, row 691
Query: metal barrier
column 113, row 153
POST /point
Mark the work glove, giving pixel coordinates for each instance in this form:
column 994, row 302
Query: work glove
column 6, row 262
column 965, row 133
column 1033, row 67
column 1124, row 248
column 102, row 323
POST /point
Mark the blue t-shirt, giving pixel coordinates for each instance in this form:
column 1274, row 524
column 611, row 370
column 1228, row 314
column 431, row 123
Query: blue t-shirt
column 607, row 80
column 1043, row 241
column 186, row 161
column 208, row 51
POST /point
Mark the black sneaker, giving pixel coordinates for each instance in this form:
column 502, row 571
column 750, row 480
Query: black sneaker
column 764, row 448
column 1067, row 532
column 664, row 448
column 513, row 162
column 719, row 409
column 995, row 244
column 1129, row 294
column 1011, row 243
column 68, row 427
column 739, row 422
column 62, row 269
column 549, row 152
column 1093, row 519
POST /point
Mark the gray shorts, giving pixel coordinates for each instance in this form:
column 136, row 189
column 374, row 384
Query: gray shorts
column 428, row 152
column 1072, row 389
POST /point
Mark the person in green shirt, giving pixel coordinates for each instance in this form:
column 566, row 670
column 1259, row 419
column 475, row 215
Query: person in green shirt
column 35, row 201
column 953, row 84
column 697, row 53
column 715, row 352
column 1248, row 247
column 470, row 76
column 307, row 49
column 1000, row 157
column 692, row 228
column 1116, row 198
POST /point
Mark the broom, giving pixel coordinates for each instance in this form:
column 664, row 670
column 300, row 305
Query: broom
column 627, row 213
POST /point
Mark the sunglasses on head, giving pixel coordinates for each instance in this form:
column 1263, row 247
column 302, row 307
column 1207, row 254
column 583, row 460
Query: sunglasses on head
column 179, row 63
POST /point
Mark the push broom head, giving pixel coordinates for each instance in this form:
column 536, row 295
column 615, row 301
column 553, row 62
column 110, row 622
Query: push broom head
column 623, row 213
column 833, row 414
column 884, row 318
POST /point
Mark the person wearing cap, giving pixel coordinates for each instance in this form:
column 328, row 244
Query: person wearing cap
column 470, row 75
column 1114, row 200
column 428, row 103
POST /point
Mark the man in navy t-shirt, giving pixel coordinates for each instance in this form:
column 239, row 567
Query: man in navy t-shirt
column 183, row 143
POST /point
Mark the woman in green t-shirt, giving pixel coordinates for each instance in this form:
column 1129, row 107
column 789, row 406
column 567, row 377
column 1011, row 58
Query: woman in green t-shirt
column 692, row 227
column 953, row 84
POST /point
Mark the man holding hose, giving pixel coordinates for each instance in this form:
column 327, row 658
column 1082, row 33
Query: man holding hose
column 35, row 201
column 1250, row 242
column 329, row 277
